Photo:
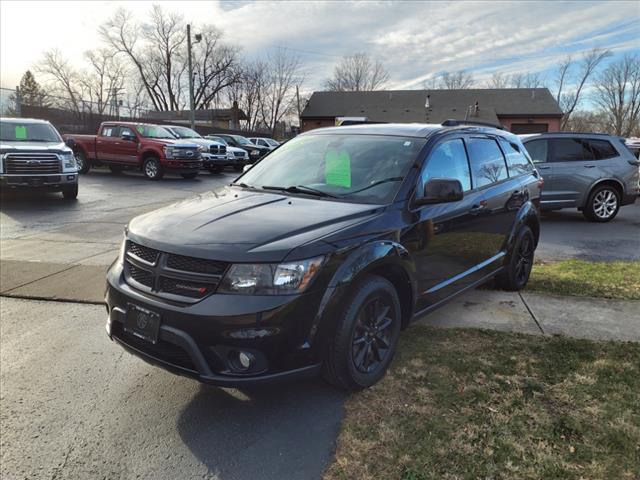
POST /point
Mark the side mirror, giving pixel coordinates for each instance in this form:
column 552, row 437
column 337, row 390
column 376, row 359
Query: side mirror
column 70, row 142
column 441, row 190
column 128, row 138
column 246, row 168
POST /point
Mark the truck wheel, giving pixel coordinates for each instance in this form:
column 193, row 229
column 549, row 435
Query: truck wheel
column 152, row 168
column 189, row 176
column 116, row 169
column 83, row 163
column 70, row 193
column 366, row 335
column 603, row 204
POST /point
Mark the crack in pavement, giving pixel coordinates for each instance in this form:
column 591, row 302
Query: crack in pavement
column 531, row 313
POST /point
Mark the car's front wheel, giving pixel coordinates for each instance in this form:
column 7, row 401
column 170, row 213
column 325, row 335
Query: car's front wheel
column 366, row 335
column 519, row 263
column 70, row 193
column 152, row 168
column 82, row 162
column 603, row 204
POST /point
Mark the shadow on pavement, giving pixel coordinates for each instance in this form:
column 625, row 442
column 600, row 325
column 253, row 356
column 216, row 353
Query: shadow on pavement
column 283, row 432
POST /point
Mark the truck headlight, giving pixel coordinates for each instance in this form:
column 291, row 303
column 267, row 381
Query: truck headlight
column 269, row 278
column 68, row 161
column 254, row 153
column 202, row 148
column 168, row 151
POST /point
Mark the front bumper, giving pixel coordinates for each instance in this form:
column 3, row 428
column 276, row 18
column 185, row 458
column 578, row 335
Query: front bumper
column 53, row 182
column 197, row 340
column 182, row 166
column 209, row 160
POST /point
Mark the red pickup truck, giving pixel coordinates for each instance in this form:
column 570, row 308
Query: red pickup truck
column 141, row 146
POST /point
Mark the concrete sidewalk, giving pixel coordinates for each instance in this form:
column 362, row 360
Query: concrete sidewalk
column 541, row 314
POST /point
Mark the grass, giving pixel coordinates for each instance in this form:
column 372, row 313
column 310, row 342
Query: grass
column 468, row 404
column 619, row 280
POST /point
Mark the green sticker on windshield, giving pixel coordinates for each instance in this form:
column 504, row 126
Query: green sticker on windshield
column 337, row 169
column 21, row 132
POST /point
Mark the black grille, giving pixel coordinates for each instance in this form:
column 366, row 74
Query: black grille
column 147, row 254
column 239, row 154
column 196, row 265
column 185, row 153
column 218, row 149
column 32, row 163
column 164, row 351
column 141, row 276
column 185, row 288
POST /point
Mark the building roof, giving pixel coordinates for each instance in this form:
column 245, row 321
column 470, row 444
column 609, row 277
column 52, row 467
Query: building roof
column 210, row 114
column 411, row 105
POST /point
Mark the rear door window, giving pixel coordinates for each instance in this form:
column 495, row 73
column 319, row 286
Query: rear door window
column 487, row 162
column 602, row 149
column 517, row 162
column 569, row 150
column 110, row 131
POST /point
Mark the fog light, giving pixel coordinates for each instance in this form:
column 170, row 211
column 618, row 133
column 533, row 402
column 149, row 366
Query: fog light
column 245, row 360
column 70, row 177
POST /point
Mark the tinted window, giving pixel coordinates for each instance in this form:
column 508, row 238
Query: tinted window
column 448, row 160
column 537, row 150
column 569, row 150
column 517, row 163
column 487, row 162
column 602, row 149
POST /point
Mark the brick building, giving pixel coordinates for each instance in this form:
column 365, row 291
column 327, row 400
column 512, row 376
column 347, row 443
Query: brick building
column 520, row 110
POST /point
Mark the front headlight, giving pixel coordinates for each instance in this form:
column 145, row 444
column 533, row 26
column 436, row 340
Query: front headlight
column 254, row 153
column 68, row 160
column 202, row 148
column 270, row 279
column 168, row 152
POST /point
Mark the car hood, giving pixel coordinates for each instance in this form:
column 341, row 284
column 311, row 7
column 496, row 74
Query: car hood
column 236, row 149
column 53, row 147
column 201, row 141
column 176, row 141
column 239, row 225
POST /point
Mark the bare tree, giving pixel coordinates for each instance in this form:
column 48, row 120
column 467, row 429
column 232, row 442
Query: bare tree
column 517, row 80
column 249, row 92
column 498, row 80
column 283, row 73
column 569, row 100
column 357, row 72
column 104, row 80
column 63, row 79
column 618, row 95
column 456, row 80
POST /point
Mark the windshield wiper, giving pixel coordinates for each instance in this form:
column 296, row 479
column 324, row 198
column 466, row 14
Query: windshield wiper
column 375, row 184
column 301, row 189
column 241, row 184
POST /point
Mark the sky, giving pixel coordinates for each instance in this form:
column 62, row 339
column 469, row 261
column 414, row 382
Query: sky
column 414, row 40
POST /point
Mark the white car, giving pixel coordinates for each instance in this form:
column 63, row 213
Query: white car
column 236, row 157
column 269, row 143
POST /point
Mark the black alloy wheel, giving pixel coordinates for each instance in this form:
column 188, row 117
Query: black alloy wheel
column 372, row 334
column 519, row 263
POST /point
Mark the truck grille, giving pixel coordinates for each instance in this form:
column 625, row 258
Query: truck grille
column 171, row 276
column 239, row 154
column 218, row 149
column 32, row 163
column 185, row 153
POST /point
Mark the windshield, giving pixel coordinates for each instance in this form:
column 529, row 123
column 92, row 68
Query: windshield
column 271, row 142
column 184, row 132
column 28, row 132
column 218, row 139
column 153, row 131
column 362, row 168
column 242, row 140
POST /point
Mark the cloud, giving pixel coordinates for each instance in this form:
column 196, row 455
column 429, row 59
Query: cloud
column 415, row 40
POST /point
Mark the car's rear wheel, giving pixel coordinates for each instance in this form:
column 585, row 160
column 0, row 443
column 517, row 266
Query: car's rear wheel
column 70, row 193
column 152, row 168
column 82, row 162
column 517, row 268
column 366, row 335
column 603, row 204
column 189, row 176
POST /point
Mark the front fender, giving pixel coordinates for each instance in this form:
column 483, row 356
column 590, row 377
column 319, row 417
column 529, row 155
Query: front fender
column 527, row 215
column 376, row 256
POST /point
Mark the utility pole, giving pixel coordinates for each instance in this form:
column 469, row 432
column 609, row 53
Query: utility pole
column 299, row 117
column 192, row 108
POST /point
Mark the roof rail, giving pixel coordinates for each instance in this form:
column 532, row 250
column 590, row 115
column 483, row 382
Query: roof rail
column 578, row 133
column 458, row 123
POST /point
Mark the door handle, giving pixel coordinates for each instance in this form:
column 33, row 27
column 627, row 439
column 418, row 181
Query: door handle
column 543, row 168
column 476, row 209
column 589, row 166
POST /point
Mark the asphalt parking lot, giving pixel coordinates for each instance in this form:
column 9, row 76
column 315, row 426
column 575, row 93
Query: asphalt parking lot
column 74, row 405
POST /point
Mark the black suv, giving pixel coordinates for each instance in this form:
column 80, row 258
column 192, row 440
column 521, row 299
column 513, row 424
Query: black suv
column 255, row 151
column 317, row 257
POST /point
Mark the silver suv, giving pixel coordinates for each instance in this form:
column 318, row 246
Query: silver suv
column 595, row 173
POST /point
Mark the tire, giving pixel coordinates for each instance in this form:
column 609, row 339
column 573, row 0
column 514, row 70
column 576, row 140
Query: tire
column 603, row 204
column 70, row 193
column 356, row 356
column 517, row 267
column 189, row 176
column 152, row 168
column 116, row 169
column 84, row 165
